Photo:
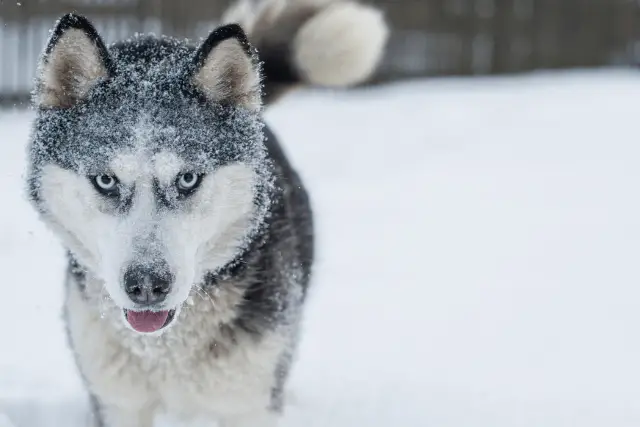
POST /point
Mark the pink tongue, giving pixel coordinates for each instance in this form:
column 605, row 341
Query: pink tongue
column 147, row 321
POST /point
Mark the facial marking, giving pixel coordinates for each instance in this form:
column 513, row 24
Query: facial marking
column 129, row 167
column 223, row 208
column 166, row 167
column 74, row 209
column 206, row 233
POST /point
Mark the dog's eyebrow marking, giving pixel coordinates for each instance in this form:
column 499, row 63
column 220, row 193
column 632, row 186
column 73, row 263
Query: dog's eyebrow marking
column 127, row 167
column 166, row 166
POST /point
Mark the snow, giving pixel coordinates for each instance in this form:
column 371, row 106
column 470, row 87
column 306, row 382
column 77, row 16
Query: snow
column 477, row 260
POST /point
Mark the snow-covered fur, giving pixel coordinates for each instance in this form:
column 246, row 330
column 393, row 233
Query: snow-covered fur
column 189, row 234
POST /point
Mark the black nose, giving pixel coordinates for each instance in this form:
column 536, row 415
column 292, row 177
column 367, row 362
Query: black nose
column 147, row 285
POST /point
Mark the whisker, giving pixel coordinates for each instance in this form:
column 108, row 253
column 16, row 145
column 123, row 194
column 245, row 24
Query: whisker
column 204, row 291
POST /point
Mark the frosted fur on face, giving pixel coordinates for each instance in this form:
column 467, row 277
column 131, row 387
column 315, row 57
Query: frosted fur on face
column 202, row 236
column 146, row 124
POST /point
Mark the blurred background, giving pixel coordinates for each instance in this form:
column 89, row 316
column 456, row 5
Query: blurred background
column 430, row 37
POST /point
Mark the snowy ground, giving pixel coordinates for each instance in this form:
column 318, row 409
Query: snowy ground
column 478, row 259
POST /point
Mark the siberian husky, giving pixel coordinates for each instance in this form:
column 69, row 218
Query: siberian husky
column 189, row 234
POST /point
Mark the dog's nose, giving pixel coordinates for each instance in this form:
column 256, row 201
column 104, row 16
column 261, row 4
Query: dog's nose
column 147, row 285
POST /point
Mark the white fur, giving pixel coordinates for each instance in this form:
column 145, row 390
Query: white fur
column 70, row 200
column 342, row 45
column 192, row 371
column 128, row 168
column 167, row 166
column 202, row 235
column 70, row 70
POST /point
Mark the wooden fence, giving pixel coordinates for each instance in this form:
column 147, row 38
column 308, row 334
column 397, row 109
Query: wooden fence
column 469, row 37
column 429, row 38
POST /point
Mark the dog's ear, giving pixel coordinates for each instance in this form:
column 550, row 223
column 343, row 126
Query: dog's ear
column 75, row 59
column 226, row 70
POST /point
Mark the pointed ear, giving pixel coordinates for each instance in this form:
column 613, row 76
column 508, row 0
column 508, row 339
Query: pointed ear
column 226, row 70
column 75, row 59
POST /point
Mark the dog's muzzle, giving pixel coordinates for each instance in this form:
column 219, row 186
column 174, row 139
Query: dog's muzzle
column 147, row 286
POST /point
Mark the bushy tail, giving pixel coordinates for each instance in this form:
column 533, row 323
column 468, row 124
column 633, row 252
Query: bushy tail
column 332, row 43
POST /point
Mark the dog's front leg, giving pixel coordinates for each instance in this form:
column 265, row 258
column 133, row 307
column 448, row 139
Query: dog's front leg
column 258, row 419
column 124, row 417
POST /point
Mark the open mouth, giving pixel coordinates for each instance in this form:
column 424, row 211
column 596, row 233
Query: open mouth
column 149, row 321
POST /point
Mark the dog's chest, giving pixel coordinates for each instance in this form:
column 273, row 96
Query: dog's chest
column 226, row 380
column 182, row 373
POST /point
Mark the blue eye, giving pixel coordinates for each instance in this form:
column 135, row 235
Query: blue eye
column 188, row 181
column 106, row 184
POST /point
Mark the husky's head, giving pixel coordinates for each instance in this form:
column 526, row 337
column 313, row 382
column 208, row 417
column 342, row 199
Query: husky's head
column 148, row 160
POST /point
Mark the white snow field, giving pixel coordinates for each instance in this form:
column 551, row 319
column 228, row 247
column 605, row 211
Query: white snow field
column 478, row 259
